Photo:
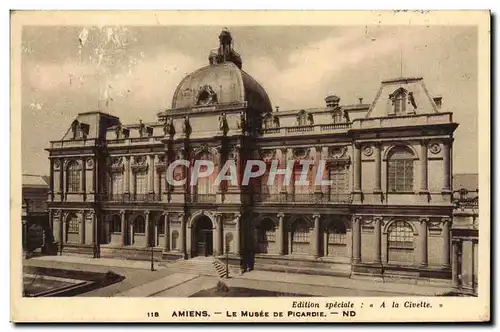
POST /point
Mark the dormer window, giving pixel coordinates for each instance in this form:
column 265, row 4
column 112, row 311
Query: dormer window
column 398, row 99
column 337, row 116
column 302, row 118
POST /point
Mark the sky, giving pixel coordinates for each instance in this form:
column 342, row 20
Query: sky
column 132, row 72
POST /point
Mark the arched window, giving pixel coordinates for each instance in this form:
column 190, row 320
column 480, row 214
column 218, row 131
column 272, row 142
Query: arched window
column 267, row 231
column 400, row 242
column 300, row 232
column 400, row 170
column 72, row 224
column 398, row 99
column 73, row 177
column 139, row 225
column 336, row 231
column 116, row 224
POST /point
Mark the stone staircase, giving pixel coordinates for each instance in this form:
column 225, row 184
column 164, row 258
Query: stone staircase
column 204, row 266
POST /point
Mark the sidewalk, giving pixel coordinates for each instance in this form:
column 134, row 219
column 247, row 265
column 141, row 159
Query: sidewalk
column 143, row 265
column 340, row 282
column 160, row 285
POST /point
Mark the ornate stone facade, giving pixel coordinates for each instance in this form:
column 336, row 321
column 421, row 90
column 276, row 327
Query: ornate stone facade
column 387, row 210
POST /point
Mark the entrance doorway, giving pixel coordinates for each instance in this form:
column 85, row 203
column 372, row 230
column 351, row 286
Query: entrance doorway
column 203, row 237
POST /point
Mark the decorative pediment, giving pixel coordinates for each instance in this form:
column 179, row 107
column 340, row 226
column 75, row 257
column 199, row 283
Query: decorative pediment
column 116, row 164
column 267, row 154
column 301, row 153
column 139, row 163
column 337, row 152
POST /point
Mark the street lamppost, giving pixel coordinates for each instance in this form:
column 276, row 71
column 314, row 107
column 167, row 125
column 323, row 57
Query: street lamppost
column 227, row 260
column 151, row 244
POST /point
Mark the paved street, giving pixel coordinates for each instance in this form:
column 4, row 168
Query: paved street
column 166, row 282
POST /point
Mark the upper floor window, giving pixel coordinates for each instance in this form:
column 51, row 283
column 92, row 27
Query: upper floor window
column 73, row 177
column 400, row 170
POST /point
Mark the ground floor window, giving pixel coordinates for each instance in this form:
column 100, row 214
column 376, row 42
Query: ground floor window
column 400, row 243
column 300, row 237
column 139, row 225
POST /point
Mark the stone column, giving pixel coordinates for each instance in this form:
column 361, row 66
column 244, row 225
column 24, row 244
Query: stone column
column 219, row 239
column 281, row 230
column 51, row 181
column 82, row 176
column 82, row 227
column 317, row 187
column 157, row 184
column 378, row 169
column 237, row 249
column 378, row 238
column 123, row 227
column 62, row 233
column 455, row 268
column 446, row 242
column 147, row 230
column 64, row 228
column 317, row 235
column 126, row 179
column 423, row 238
column 166, row 227
column 447, row 165
column 131, row 232
column 356, row 239
column 182, row 234
column 424, row 185
column 151, row 174
column 357, row 168
column 61, row 178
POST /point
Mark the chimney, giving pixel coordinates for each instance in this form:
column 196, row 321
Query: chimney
column 332, row 101
column 277, row 108
column 438, row 101
column 360, row 100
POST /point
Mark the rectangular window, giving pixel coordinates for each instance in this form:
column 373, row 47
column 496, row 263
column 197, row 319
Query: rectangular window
column 140, row 183
column 400, row 175
column 116, row 183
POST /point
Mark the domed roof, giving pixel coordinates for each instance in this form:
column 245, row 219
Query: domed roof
column 221, row 82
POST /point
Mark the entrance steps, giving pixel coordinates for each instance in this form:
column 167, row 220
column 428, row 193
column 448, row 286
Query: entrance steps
column 205, row 266
column 197, row 265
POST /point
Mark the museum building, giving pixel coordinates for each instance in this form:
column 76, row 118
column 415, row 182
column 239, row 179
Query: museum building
column 387, row 212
